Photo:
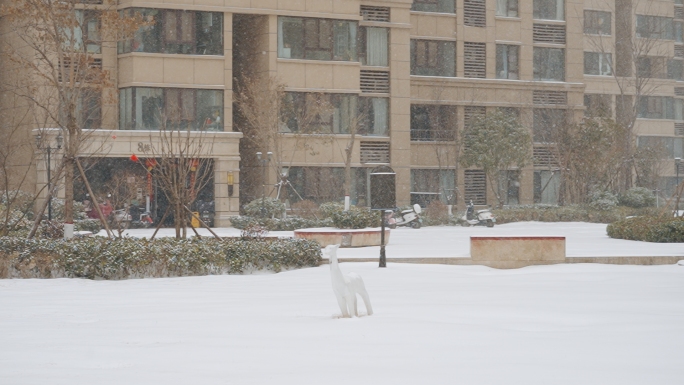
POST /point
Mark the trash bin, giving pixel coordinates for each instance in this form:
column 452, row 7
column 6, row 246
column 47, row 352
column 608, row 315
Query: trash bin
column 194, row 221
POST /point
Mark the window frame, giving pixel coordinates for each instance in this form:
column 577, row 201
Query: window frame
column 440, row 67
column 503, row 61
column 542, row 64
column 601, row 58
column 507, row 8
column 593, row 24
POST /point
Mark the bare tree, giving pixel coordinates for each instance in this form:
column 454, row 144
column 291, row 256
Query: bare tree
column 55, row 43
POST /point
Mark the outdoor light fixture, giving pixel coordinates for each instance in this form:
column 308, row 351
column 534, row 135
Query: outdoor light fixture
column 230, row 181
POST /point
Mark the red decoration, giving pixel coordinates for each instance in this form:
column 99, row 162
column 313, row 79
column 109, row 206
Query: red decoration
column 134, row 158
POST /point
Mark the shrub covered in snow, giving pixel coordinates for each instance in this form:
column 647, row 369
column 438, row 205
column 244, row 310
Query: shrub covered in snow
column 102, row 258
column 356, row 218
column 602, row 200
column 638, row 197
column 570, row 213
column 265, row 208
column 649, row 229
column 275, row 224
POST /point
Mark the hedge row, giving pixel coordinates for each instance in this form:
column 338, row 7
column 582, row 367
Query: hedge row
column 573, row 213
column 102, row 258
column 275, row 224
column 648, row 229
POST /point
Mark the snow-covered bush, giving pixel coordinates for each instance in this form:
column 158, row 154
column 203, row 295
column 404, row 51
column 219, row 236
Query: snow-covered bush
column 649, row 229
column 329, row 208
column 638, row 197
column 265, row 208
column 275, row 224
column 356, row 218
column 103, row 258
column 602, row 200
column 569, row 213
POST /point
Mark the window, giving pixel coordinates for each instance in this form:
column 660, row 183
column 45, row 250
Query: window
column 549, row 64
column 651, row 67
column 655, row 27
column 678, row 32
column 507, row 8
column 547, row 186
column 674, row 69
column 546, row 123
column 507, row 61
column 442, row 6
column 321, row 184
column 374, row 116
column 337, row 119
column 142, row 108
column 85, row 36
column 373, row 46
column 316, row 39
column 598, row 105
column 597, row 23
column 176, row 32
column 549, row 9
column 669, row 147
column 509, row 186
column 475, row 183
column 428, row 185
column 433, row 123
column 88, row 108
column 433, row 58
column 597, row 63
column 655, row 107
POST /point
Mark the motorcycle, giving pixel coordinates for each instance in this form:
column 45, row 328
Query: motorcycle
column 408, row 217
column 479, row 218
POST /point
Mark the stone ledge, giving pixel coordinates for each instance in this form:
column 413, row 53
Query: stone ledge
column 516, row 251
column 343, row 237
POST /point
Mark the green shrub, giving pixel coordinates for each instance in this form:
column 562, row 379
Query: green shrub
column 356, row 218
column 638, row 197
column 266, row 208
column 649, row 229
column 328, row 209
column 103, row 258
column 92, row 225
column 570, row 213
column 603, row 200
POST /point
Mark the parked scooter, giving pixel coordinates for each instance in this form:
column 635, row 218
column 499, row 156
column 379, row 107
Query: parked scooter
column 479, row 218
column 408, row 217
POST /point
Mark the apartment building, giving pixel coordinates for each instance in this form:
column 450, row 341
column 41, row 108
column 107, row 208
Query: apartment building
column 403, row 76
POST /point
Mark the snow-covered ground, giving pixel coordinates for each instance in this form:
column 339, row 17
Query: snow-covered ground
column 433, row 324
column 582, row 240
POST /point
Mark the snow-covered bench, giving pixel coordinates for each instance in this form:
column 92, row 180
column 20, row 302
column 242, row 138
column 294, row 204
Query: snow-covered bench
column 508, row 252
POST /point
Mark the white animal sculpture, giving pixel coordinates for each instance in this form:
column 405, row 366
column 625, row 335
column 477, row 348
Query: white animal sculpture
column 346, row 286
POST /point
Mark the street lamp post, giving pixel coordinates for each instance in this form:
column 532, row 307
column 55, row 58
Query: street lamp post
column 48, row 149
column 678, row 161
column 263, row 162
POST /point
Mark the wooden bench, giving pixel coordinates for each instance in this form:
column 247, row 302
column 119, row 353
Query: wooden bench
column 508, row 252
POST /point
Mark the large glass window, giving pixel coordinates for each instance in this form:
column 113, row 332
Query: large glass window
column 549, row 9
column 336, row 119
column 142, row 108
column 176, row 32
column 374, row 116
column 316, row 39
column 428, row 185
column 598, row 105
column 675, row 68
column 549, row 64
column 443, row 6
column 88, row 108
column 433, row 58
column 651, row 67
column 507, row 61
column 656, row 107
column 597, row 63
column 546, row 123
column 507, row 8
column 597, row 22
column 547, row 186
column 373, row 46
column 320, row 184
column 655, row 27
column 669, row 146
column 433, row 123
column 85, row 36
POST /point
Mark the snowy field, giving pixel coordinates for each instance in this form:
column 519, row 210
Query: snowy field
column 433, row 324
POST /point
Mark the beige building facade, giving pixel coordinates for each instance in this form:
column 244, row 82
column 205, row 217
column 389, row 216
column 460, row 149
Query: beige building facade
column 416, row 71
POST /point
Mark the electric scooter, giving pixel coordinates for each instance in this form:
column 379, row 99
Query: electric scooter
column 408, row 217
column 479, row 218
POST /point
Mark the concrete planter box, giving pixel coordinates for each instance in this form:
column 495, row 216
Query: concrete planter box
column 517, row 251
column 344, row 237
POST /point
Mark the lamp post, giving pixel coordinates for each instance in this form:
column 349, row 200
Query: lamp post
column 263, row 162
column 48, row 149
column 678, row 161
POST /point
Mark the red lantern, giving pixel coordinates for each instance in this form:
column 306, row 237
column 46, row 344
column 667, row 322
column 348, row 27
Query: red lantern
column 134, row 158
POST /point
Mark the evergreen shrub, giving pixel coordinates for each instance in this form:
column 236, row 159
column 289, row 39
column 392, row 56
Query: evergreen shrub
column 122, row 258
column 638, row 197
column 648, row 229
